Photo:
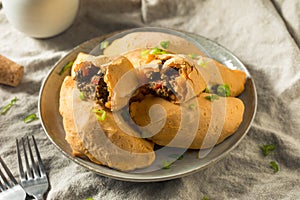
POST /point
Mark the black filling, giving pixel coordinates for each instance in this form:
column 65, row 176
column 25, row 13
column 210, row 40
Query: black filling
column 161, row 84
column 90, row 81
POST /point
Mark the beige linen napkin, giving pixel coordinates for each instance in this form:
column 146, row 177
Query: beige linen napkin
column 262, row 34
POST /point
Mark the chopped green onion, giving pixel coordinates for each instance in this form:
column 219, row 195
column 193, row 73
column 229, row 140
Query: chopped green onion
column 176, row 156
column 6, row 108
column 192, row 106
column 90, row 198
column 201, row 63
column 81, row 96
column 145, row 53
column 205, row 197
column 67, row 66
column 167, row 164
column 157, row 51
column 193, row 56
column 267, row 148
column 104, row 44
column 30, row 118
column 100, row 114
column 223, row 90
column 212, row 97
column 207, row 90
column 274, row 165
column 165, row 44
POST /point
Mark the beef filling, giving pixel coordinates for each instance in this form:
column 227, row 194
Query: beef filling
column 161, row 84
column 90, row 81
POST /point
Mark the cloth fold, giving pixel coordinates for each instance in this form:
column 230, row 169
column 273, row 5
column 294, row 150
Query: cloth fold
column 289, row 10
column 263, row 34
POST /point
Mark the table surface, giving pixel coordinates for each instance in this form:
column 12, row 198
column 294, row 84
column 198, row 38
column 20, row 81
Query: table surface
column 265, row 35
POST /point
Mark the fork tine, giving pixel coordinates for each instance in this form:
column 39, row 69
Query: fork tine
column 33, row 165
column 28, row 170
column 12, row 178
column 7, row 185
column 1, row 187
column 40, row 162
column 22, row 175
column 6, row 182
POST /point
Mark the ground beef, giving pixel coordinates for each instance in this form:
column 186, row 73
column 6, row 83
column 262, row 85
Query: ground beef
column 161, row 89
column 161, row 84
column 90, row 81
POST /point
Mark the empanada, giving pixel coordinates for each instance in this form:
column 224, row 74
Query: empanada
column 103, row 142
column 187, row 125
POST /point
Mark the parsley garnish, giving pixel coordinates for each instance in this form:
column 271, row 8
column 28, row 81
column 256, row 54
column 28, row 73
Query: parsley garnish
column 145, row 53
column 193, row 56
column 6, row 108
column 67, row 66
column 104, row 44
column 100, row 114
column 207, row 90
column 166, row 164
column 192, row 106
column 267, row 148
column 212, row 97
column 223, row 90
column 165, row 44
column 157, row 51
column 81, row 96
column 201, row 63
column 29, row 118
column 274, row 165
column 205, row 197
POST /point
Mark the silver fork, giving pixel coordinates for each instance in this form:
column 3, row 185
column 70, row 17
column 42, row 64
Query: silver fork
column 10, row 189
column 34, row 181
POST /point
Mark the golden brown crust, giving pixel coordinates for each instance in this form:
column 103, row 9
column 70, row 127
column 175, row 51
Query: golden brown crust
column 81, row 57
column 114, row 148
column 121, row 81
column 210, row 115
column 65, row 109
column 189, row 84
column 135, row 57
column 236, row 79
column 217, row 73
column 191, row 79
column 117, row 149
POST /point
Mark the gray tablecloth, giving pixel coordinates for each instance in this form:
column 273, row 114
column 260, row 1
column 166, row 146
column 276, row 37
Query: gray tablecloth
column 264, row 34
